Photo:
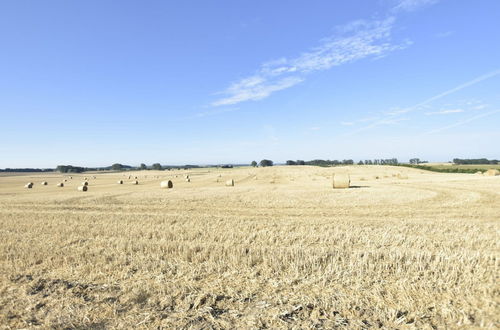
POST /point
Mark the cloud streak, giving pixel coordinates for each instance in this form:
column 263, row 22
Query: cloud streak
column 444, row 112
column 422, row 105
column 462, row 122
column 412, row 5
column 357, row 40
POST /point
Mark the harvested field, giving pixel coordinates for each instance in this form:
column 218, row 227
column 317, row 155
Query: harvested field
column 415, row 253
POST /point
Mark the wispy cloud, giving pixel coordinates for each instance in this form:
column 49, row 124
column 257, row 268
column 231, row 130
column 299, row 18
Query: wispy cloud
column 411, row 5
column 356, row 40
column 255, row 88
column 444, row 34
column 423, row 105
column 480, row 107
column 444, row 112
column 346, row 123
column 462, row 122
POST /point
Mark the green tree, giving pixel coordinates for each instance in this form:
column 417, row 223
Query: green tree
column 143, row 167
column 254, row 163
column 156, row 166
column 266, row 162
column 117, row 167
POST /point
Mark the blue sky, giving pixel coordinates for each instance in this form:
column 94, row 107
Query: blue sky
column 96, row 82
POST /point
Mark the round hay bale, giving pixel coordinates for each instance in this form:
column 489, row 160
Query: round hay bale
column 188, row 180
column 230, row 183
column 44, row 183
column 60, row 184
column 479, row 173
column 120, row 182
column 29, row 185
column 492, row 172
column 135, row 177
column 82, row 188
column 166, row 184
column 85, row 183
column 402, row 176
column 85, row 178
column 341, row 180
column 376, row 177
column 135, row 182
column 187, row 176
column 71, row 177
column 65, row 180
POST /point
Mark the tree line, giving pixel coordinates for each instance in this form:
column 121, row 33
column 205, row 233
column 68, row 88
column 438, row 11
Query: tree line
column 262, row 163
column 322, row 162
column 477, row 161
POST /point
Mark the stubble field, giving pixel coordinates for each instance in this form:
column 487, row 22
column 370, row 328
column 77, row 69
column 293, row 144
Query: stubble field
column 280, row 249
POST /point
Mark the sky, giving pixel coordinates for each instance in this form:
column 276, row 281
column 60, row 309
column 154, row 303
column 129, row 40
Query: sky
column 91, row 83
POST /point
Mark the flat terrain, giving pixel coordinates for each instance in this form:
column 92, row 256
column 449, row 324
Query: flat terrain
column 280, row 249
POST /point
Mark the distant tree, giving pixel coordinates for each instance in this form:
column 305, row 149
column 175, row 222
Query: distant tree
column 301, row 162
column 143, row 167
column 157, row 167
column 266, row 162
column 361, row 163
column 254, row 163
column 117, row 167
column 415, row 161
column 69, row 169
column 291, row 162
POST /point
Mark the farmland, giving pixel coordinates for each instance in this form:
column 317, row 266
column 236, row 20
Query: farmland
column 279, row 249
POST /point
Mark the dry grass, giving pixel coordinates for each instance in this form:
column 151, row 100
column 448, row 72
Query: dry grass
column 416, row 253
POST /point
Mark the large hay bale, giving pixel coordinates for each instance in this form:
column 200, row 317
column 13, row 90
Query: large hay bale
column 341, row 180
column 85, row 183
column 479, row 173
column 65, row 180
column 166, row 184
column 60, row 184
column 44, row 183
column 135, row 182
column 187, row 176
column 120, row 182
column 402, row 176
column 491, row 172
column 230, row 183
column 29, row 185
column 82, row 188
column 188, row 180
